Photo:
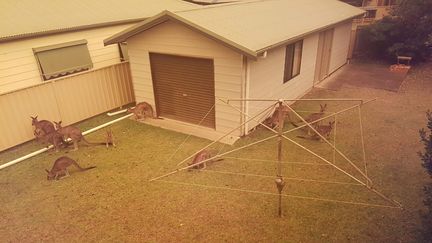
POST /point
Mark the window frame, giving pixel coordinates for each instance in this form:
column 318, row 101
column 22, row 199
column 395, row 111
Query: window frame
column 290, row 60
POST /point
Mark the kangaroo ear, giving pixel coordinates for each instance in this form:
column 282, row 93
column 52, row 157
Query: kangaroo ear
column 47, row 171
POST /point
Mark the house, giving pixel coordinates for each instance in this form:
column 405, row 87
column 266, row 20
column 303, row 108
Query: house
column 185, row 62
column 53, row 62
column 376, row 9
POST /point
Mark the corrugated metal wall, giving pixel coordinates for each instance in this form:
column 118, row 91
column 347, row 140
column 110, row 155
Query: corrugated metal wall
column 70, row 99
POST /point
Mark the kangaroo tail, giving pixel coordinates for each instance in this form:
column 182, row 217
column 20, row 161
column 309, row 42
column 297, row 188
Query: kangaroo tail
column 294, row 124
column 88, row 168
column 92, row 144
column 81, row 168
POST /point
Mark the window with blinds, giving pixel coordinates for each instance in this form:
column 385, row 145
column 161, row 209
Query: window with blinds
column 63, row 59
column 293, row 55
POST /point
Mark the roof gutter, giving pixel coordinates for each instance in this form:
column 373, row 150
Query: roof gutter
column 299, row 37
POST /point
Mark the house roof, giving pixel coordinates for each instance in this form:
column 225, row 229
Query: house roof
column 255, row 26
column 28, row 18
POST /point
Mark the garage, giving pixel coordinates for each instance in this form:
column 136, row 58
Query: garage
column 184, row 88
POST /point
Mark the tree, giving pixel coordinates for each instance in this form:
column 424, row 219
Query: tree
column 407, row 31
column 426, row 157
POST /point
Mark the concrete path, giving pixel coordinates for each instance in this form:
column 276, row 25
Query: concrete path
column 375, row 76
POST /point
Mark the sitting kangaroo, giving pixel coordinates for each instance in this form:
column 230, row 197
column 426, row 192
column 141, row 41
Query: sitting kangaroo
column 201, row 156
column 313, row 117
column 43, row 126
column 59, row 169
column 74, row 134
column 142, row 111
column 324, row 130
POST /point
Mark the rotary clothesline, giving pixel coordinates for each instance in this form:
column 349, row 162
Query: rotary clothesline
column 281, row 135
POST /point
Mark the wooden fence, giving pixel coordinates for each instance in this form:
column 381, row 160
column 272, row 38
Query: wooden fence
column 70, row 99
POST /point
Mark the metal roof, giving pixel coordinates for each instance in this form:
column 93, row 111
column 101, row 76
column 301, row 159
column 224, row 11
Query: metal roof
column 255, row 26
column 25, row 18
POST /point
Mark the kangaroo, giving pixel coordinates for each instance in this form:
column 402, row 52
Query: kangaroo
column 142, row 111
column 313, row 117
column 59, row 169
column 74, row 134
column 54, row 138
column 109, row 138
column 273, row 120
column 324, row 130
column 43, row 125
column 201, row 156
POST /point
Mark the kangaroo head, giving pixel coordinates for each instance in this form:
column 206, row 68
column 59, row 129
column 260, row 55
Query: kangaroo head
column 34, row 120
column 50, row 175
column 58, row 124
column 323, row 107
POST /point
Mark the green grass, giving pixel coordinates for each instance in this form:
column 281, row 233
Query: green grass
column 116, row 201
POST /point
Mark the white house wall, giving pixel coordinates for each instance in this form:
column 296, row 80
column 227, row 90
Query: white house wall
column 340, row 46
column 176, row 39
column 18, row 65
column 266, row 76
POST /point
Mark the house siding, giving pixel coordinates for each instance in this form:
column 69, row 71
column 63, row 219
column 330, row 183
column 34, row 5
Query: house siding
column 266, row 76
column 340, row 46
column 18, row 65
column 175, row 39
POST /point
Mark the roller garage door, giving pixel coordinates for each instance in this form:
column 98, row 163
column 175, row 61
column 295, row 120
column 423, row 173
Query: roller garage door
column 184, row 88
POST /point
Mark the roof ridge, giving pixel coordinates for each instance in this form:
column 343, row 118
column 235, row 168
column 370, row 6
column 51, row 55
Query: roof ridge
column 220, row 5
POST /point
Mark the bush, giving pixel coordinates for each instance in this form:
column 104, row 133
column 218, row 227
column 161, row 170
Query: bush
column 426, row 157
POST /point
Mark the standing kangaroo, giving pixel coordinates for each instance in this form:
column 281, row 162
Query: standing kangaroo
column 54, row 138
column 142, row 111
column 42, row 125
column 74, row 134
column 313, row 117
column 60, row 170
column 109, row 138
column 273, row 120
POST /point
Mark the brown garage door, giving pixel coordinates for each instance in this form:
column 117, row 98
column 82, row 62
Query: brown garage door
column 184, row 88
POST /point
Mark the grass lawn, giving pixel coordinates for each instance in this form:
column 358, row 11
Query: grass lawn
column 116, row 202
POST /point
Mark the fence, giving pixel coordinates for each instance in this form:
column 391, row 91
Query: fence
column 70, row 99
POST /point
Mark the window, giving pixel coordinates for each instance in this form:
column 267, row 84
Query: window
column 63, row 59
column 124, row 56
column 293, row 55
column 370, row 14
